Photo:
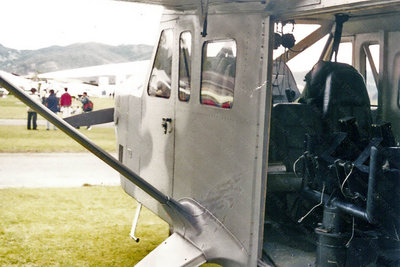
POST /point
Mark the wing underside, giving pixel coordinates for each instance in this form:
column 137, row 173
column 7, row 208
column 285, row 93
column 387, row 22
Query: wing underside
column 183, row 5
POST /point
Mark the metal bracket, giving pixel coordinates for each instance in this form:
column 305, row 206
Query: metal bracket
column 210, row 235
column 198, row 237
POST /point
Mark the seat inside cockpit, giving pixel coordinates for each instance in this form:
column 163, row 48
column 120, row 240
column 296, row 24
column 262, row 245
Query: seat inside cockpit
column 334, row 92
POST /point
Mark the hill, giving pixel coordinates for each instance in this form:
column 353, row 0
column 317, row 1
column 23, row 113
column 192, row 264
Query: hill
column 79, row 55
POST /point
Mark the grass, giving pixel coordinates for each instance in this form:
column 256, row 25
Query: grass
column 82, row 226
column 17, row 139
column 86, row 226
column 13, row 108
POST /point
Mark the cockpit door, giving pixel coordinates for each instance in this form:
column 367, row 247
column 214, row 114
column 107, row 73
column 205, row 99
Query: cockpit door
column 157, row 129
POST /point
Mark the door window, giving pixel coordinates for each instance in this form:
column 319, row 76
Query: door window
column 185, row 56
column 218, row 73
column 160, row 79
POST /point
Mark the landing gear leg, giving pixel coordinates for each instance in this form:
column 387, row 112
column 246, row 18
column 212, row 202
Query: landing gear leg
column 134, row 223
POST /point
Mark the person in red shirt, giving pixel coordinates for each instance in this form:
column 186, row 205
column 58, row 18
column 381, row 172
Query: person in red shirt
column 65, row 103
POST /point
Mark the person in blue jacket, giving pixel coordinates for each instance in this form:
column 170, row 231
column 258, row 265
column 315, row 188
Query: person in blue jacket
column 52, row 104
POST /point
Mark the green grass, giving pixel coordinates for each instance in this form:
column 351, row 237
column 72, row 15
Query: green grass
column 83, row 226
column 13, row 108
column 17, row 139
column 86, row 226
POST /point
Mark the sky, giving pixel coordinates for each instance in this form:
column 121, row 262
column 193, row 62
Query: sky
column 34, row 24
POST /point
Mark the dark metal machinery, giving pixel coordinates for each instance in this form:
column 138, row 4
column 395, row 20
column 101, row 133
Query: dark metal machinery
column 348, row 201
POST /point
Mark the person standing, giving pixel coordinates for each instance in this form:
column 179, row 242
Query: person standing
column 44, row 96
column 32, row 115
column 87, row 105
column 65, row 103
column 52, row 104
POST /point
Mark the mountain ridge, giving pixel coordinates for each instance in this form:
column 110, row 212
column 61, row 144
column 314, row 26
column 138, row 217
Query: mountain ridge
column 78, row 55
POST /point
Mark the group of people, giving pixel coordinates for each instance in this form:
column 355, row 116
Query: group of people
column 53, row 104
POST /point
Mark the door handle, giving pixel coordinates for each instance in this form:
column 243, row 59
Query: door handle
column 166, row 124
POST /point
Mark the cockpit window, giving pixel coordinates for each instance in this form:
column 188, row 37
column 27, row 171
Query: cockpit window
column 160, row 79
column 300, row 64
column 218, row 73
column 185, row 56
column 371, row 52
column 345, row 54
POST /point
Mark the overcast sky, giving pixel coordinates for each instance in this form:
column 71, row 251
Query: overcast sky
column 33, row 24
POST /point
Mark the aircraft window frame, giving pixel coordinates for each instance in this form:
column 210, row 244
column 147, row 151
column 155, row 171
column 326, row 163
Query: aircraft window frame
column 214, row 71
column 185, row 59
column 371, row 70
column 164, row 81
column 346, row 51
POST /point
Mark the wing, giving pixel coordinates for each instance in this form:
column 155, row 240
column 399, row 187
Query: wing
column 92, row 118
